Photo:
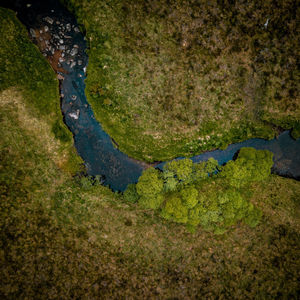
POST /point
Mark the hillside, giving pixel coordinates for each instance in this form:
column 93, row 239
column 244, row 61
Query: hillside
column 174, row 78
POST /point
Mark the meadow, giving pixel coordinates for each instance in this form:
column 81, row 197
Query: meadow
column 65, row 236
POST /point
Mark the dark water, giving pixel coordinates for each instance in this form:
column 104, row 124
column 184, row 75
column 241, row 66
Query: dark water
column 91, row 142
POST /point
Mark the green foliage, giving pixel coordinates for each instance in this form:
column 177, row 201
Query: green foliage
column 60, row 132
column 131, row 194
column 175, row 210
column 189, row 195
column 170, row 182
column 296, row 131
column 88, row 182
column 250, row 165
column 153, row 202
column 182, row 169
column 149, row 187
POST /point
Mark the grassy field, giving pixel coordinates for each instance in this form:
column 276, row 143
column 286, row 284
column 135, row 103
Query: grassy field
column 25, row 69
column 64, row 238
column 174, row 78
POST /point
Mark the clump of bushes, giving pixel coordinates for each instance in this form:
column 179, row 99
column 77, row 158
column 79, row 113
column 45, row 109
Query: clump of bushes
column 206, row 194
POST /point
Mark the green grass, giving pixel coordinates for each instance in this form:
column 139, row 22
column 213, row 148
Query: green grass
column 61, row 238
column 25, row 69
column 175, row 78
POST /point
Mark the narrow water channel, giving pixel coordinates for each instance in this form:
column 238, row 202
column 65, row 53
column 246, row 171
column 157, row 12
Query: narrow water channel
column 56, row 32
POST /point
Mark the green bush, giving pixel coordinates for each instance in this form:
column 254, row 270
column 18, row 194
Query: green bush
column 182, row 169
column 175, row 210
column 149, row 188
column 250, row 165
column 195, row 194
column 189, row 196
column 131, row 194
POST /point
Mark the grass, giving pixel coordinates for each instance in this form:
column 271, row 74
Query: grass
column 25, row 69
column 175, row 78
column 62, row 239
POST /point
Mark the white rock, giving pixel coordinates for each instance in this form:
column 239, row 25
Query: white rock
column 75, row 115
column 73, row 64
column 74, row 51
column 49, row 20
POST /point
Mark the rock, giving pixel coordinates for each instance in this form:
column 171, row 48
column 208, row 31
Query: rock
column 61, row 59
column 28, row 5
column 76, row 46
column 63, row 55
column 79, row 62
column 74, row 97
column 68, row 27
column 41, row 31
column 46, row 28
column 75, row 115
column 74, row 51
column 57, row 22
column 76, row 29
column 62, row 47
column 45, row 54
column 60, row 77
column 73, row 64
column 49, row 20
column 61, row 41
column 52, row 10
column 32, row 32
column 40, row 38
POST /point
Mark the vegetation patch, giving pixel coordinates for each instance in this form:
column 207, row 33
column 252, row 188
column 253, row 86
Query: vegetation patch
column 64, row 237
column 215, row 197
column 176, row 78
column 35, row 89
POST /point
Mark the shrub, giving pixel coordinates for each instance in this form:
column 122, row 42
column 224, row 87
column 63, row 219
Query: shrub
column 153, row 202
column 182, row 169
column 175, row 210
column 189, row 196
column 250, row 165
column 149, row 188
column 131, row 194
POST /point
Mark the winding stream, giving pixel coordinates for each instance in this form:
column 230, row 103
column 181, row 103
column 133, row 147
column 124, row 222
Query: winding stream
column 56, row 32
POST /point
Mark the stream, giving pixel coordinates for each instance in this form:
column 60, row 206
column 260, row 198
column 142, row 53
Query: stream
column 55, row 30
